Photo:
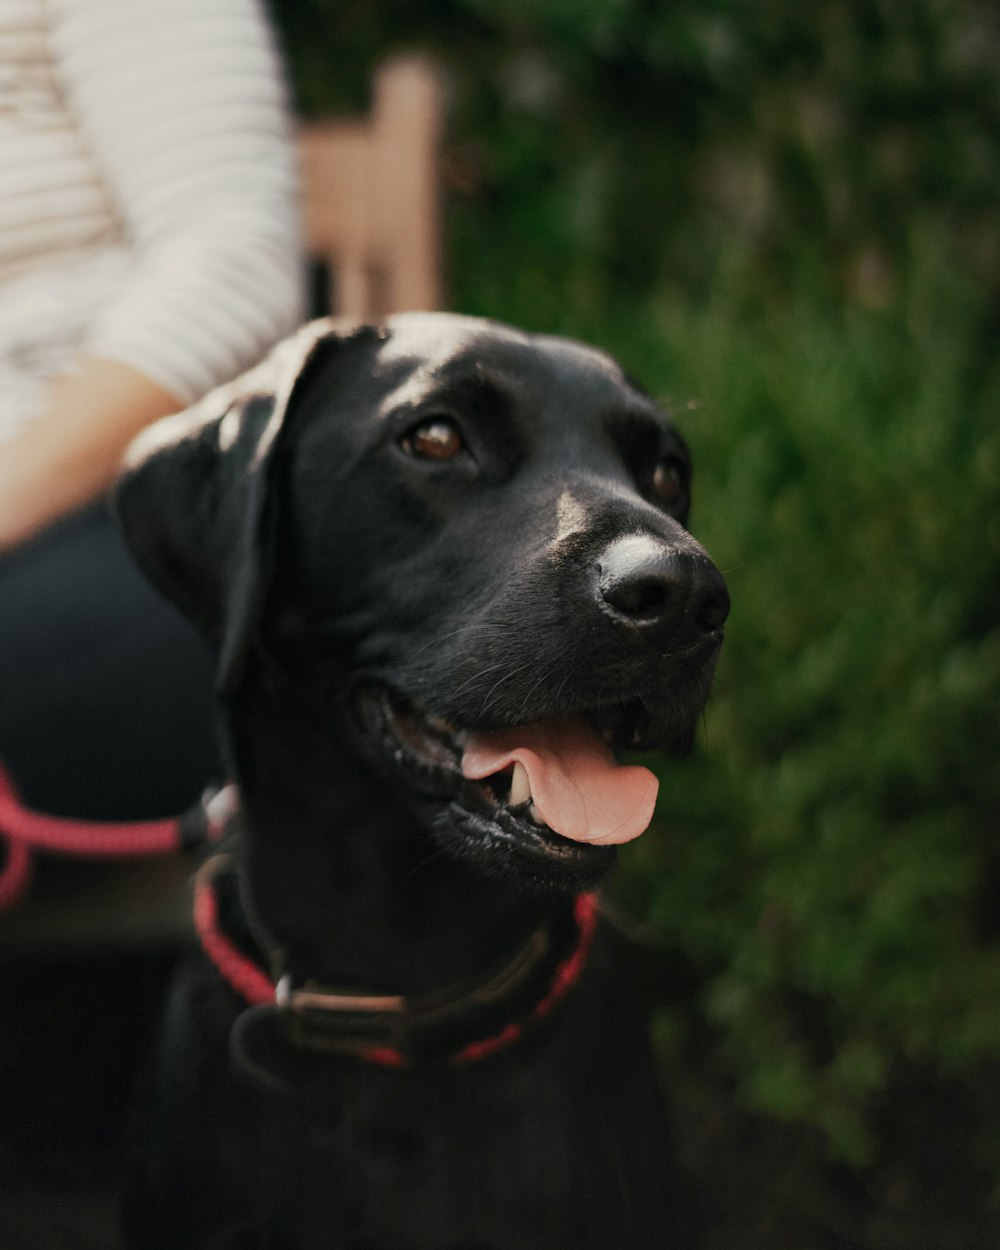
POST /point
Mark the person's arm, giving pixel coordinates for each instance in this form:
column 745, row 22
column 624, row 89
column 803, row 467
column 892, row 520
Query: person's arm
column 182, row 105
column 69, row 452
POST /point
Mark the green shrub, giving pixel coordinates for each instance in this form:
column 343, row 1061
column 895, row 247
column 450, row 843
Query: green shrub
column 826, row 860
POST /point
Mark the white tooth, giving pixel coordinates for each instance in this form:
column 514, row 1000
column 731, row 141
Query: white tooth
column 536, row 816
column 520, row 789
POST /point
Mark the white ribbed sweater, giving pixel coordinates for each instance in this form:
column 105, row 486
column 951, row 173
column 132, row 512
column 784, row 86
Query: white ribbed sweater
column 147, row 192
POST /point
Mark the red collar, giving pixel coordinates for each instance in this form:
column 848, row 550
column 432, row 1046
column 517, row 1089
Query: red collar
column 330, row 1010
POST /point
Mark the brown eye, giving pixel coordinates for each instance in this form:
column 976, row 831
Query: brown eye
column 668, row 480
column 434, row 439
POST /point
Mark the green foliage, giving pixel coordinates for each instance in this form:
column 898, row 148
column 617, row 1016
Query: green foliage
column 827, row 861
column 616, row 145
column 785, row 218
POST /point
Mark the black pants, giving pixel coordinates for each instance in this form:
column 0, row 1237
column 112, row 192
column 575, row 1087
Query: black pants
column 106, row 707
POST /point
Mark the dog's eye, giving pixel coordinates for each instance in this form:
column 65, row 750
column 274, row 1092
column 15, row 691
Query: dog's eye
column 437, row 438
column 669, row 480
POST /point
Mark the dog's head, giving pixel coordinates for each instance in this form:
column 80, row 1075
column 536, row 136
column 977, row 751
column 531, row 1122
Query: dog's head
column 463, row 545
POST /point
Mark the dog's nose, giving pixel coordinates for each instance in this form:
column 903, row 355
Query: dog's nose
column 667, row 593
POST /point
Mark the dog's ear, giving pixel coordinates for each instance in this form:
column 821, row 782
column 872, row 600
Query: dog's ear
column 196, row 497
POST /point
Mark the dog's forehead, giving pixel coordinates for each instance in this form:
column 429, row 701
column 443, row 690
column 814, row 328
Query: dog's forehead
column 440, row 345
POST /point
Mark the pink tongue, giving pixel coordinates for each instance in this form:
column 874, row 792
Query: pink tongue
column 576, row 786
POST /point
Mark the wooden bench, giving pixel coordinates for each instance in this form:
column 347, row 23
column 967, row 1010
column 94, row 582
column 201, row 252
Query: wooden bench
column 371, row 198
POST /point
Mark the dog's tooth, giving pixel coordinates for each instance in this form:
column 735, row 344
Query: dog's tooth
column 520, row 787
column 535, row 815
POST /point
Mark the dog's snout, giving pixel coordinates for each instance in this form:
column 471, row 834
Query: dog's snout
column 665, row 592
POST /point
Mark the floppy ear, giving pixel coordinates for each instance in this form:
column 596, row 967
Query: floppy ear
column 197, row 501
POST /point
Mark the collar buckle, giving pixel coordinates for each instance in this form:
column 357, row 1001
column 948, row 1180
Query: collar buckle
column 346, row 1022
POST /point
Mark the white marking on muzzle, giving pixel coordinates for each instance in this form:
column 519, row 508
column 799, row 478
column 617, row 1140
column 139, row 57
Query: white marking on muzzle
column 571, row 516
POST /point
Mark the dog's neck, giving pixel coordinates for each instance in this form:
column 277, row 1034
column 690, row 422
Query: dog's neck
column 339, row 874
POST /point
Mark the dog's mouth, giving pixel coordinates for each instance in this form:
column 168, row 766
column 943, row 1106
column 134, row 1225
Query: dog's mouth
column 548, row 799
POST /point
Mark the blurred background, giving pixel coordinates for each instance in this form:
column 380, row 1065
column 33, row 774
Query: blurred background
column 785, row 219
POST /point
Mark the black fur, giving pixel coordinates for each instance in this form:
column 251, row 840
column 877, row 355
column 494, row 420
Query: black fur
column 368, row 602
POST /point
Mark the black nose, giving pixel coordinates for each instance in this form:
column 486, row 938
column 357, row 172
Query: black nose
column 669, row 593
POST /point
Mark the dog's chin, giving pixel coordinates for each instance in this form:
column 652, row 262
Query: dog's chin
column 500, row 842
column 474, row 821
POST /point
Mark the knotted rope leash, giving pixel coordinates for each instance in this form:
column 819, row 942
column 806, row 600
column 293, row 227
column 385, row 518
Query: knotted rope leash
column 25, row 833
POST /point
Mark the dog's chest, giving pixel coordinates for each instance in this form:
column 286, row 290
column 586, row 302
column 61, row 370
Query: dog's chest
column 542, row 1147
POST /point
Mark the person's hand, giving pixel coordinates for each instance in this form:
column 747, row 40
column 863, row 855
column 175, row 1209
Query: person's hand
column 69, row 453
column 20, row 514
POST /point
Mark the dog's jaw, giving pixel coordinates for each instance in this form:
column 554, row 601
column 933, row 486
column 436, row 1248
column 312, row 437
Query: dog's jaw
column 567, row 779
column 380, row 906
column 544, row 804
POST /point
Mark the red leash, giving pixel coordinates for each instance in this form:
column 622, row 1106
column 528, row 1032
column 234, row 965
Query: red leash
column 23, row 832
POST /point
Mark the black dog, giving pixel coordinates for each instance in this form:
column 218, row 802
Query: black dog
column 445, row 569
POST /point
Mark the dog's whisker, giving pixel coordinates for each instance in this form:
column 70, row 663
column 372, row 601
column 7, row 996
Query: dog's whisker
column 499, row 627
column 557, row 698
column 425, row 863
column 511, row 676
column 526, row 701
column 469, row 681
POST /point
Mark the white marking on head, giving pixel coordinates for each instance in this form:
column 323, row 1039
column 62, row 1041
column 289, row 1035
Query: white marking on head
column 428, row 340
